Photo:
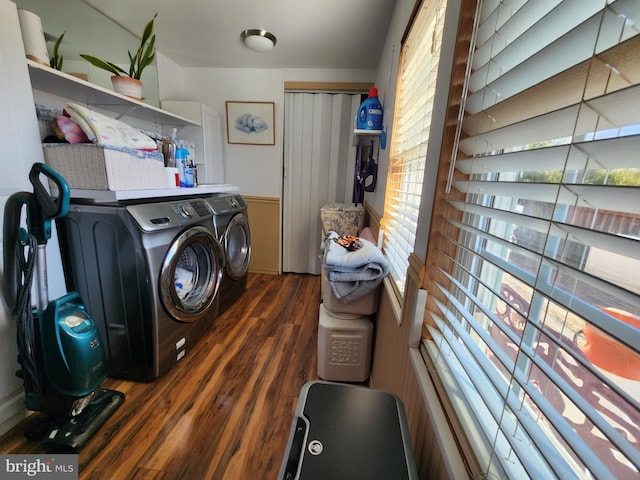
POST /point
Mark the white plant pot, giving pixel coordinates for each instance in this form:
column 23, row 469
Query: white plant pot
column 127, row 86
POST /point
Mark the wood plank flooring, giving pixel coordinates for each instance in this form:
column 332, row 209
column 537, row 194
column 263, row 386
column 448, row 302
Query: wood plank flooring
column 224, row 411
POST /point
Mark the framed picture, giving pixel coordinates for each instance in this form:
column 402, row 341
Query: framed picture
column 251, row 123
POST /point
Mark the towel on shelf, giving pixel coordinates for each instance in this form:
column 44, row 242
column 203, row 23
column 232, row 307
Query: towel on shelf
column 353, row 274
column 107, row 131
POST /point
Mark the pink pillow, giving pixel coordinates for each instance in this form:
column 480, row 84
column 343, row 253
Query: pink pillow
column 368, row 234
column 71, row 130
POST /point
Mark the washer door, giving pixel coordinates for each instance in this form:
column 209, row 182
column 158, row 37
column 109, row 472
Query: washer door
column 237, row 246
column 191, row 274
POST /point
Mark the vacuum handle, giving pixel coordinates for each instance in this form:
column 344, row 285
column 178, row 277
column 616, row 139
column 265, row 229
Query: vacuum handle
column 51, row 207
column 45, row 207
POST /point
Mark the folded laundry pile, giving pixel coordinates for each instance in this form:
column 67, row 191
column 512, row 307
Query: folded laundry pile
column 85, row 125
column 353, row 273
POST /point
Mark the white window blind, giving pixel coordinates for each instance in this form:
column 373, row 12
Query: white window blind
column 411, row 124
column 535, row 316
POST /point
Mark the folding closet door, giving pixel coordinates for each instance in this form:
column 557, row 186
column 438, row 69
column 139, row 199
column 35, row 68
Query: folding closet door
column 319, row 161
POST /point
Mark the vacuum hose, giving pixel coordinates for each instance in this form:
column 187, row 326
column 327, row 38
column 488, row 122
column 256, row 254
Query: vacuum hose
column 23, row 313
column 19, row 255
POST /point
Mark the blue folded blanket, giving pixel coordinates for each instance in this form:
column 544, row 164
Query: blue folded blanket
column 352, row 275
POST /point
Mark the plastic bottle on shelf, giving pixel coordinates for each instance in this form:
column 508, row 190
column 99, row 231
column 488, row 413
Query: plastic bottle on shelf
column 181, row 162
column 188, row 176
column 172, row 148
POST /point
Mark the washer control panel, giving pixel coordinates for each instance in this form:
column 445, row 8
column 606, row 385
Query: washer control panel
column 225, row 204
column 158, row 216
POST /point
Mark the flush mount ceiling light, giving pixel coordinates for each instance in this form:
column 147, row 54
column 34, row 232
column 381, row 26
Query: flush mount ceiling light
column 258, row 39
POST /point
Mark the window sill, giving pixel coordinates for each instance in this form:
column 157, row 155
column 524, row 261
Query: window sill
column 396, row 307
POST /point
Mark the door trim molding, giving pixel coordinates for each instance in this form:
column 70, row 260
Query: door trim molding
column 332, row 87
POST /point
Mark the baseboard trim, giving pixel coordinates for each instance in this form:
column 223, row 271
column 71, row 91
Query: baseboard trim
column 12, row 412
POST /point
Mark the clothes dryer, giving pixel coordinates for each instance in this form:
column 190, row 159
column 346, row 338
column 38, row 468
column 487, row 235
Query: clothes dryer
column 149, row 274
column 231, row 224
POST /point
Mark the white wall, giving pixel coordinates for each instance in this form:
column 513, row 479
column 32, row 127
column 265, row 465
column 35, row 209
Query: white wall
column 254, row 168
column 170, row 85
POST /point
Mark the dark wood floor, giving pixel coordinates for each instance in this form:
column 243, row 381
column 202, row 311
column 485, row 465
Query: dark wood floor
column 223, row 412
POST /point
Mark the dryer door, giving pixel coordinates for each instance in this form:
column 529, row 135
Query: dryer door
column 191, row 274
column 237, row 246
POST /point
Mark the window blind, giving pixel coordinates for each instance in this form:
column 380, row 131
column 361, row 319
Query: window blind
column 534, row 269
column 411, row 124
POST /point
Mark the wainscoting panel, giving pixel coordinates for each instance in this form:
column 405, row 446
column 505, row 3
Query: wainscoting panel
column 264, row 223
column 393, row 371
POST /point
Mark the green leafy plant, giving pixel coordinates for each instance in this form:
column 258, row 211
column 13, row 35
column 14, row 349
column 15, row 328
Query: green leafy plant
column 56, row 59
column 143, row 57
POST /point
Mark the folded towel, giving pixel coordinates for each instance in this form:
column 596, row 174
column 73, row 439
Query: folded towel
column 353, row 274
column 107, row 131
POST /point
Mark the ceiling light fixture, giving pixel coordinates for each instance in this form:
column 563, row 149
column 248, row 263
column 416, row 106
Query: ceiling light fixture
column 258, row 39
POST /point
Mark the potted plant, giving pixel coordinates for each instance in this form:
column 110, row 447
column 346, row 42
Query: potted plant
column 128, row 82
column 56, row 59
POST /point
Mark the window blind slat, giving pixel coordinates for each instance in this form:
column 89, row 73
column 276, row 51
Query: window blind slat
column 595, row 465
column 612, row 70
column 533, row 223
column 607, row 197
column 541, row 403
column 618, row 152
column 609, row 112
column 530, row 59
column 450, row 356
column 531, row 458
column 621, row 293
column 625, row 246
column 508, row 22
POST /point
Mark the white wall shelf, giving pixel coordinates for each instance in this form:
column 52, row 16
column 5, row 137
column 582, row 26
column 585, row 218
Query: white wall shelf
column 107, row 196
column 59, row 83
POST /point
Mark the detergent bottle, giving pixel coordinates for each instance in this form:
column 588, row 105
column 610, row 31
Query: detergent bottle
column 369, row 116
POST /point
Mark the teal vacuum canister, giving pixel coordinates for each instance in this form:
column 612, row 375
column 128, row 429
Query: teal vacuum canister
column 73, row 356
column 369, row 118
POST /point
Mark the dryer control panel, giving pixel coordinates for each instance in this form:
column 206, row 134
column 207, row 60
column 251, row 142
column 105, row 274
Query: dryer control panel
column 225, row 204
column 159, row 216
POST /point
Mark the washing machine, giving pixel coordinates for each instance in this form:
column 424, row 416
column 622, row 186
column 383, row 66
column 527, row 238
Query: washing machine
column 231, row 224
column 149, row 274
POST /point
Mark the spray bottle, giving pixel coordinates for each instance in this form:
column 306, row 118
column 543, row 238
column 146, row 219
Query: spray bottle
column 171, row 148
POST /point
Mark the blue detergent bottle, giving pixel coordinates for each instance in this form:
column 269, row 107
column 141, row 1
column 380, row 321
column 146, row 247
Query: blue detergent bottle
column 369, row 116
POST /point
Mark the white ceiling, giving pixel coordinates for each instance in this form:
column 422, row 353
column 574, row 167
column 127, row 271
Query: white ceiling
column 343, row 34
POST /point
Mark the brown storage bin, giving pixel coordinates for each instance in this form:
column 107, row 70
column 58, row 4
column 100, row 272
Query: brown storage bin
column 366, row 305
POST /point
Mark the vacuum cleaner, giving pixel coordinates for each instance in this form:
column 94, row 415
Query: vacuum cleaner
column 60, row 352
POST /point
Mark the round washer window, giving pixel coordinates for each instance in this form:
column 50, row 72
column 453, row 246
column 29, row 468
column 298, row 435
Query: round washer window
column 191, row 274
